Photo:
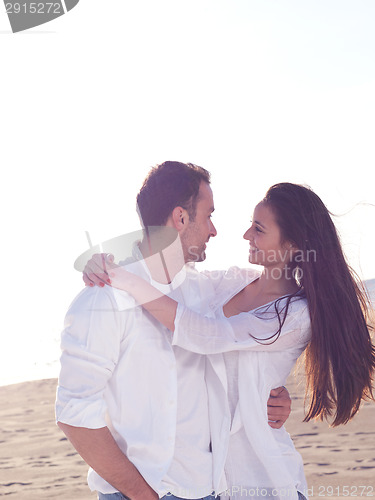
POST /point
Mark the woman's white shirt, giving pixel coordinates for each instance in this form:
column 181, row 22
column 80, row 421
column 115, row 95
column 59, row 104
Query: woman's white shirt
column 261, row 461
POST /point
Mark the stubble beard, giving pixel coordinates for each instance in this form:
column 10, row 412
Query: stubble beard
column 193, row 253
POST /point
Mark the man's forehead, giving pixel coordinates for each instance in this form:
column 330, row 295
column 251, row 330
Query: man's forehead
column 205, row 194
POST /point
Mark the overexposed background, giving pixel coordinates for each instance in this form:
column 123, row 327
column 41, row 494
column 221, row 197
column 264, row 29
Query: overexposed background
column 256, row 91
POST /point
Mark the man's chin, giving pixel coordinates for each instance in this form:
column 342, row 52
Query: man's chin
column 197, row 257
column 202, row 257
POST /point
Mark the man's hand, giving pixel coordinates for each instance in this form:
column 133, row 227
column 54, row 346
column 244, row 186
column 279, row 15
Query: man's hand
column 279, row 406
column 99, row 450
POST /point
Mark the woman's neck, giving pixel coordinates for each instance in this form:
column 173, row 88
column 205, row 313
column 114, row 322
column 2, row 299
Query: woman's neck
column 277, row 281
column 267, row 288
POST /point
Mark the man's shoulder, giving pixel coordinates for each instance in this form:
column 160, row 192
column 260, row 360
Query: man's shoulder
column 97, row 310
column 100, row 299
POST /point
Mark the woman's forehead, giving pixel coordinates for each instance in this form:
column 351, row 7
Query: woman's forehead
column 264, row 215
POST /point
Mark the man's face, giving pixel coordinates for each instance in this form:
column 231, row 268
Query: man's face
column 200, row 230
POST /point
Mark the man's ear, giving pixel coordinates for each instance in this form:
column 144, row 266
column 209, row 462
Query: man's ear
column 179, row 218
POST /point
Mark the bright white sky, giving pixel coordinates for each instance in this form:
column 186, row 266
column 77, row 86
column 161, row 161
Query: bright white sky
column 256, row 91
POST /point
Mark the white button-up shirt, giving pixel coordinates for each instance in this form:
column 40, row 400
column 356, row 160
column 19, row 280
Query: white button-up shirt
column 261, row 461
column 118, row 369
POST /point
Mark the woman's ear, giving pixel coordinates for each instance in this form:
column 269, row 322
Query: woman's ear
column 291, row 248
column 179, row 218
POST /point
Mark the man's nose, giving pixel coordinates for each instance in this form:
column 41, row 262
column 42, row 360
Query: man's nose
column 213, row 231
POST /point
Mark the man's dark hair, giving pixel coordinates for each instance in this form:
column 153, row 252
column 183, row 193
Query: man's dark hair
column 169, row 185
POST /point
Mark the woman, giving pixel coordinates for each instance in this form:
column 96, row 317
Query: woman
column 305, row 297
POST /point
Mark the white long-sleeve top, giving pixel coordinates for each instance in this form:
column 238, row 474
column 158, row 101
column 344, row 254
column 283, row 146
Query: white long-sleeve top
column 166, row 407
column 261, row 461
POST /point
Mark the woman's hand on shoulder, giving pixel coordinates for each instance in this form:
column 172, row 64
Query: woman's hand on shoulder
column 97, row 270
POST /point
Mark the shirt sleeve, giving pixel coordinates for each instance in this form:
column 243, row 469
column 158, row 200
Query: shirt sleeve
column 246, row 331
column 90, row 344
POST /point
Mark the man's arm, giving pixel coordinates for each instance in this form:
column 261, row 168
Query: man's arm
column 279, row 406
column 90, row 342
column 101, row 452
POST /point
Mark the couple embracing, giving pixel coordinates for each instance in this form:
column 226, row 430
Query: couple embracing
column 171, row 382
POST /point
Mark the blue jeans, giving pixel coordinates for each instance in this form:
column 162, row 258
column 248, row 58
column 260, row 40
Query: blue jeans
column 111, row 496
column 300, row 496
column 172, row 497
column 120, row 496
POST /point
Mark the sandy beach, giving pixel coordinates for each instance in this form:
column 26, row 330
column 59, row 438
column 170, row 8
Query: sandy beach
column 37, row 462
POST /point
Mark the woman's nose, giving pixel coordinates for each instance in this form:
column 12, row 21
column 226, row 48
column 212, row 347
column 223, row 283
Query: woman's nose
column 247, row 234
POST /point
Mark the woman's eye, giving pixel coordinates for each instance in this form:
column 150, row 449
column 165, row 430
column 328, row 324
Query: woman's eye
column 258, row 230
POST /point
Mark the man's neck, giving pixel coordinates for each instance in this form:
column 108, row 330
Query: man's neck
column 163, row 263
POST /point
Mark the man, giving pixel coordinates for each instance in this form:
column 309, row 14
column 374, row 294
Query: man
column 138, row 410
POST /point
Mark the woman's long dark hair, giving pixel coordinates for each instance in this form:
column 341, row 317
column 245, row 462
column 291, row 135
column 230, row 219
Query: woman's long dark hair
column 340, row 359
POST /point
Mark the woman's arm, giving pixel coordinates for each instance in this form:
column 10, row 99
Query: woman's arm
column 198, row 333
column 203, row 335
column 245, row 331
column 162, row 307
column 101, row 270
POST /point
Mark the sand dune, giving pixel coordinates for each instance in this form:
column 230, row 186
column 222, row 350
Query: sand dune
column 37, row 462
column 338, row 457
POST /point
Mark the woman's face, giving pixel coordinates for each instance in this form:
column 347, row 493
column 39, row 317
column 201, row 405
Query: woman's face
column 264, row 235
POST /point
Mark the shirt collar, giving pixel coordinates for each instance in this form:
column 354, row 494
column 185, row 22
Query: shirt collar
column 177, row 281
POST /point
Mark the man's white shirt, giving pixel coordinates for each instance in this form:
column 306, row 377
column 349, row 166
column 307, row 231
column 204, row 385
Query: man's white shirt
column 166, row 407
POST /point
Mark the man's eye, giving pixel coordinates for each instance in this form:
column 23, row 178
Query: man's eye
column 258, row 230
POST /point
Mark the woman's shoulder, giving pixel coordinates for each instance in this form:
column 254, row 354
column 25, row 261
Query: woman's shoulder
column 229, row 282
column 299, row 311
column 299, row 304
column 295, row 307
